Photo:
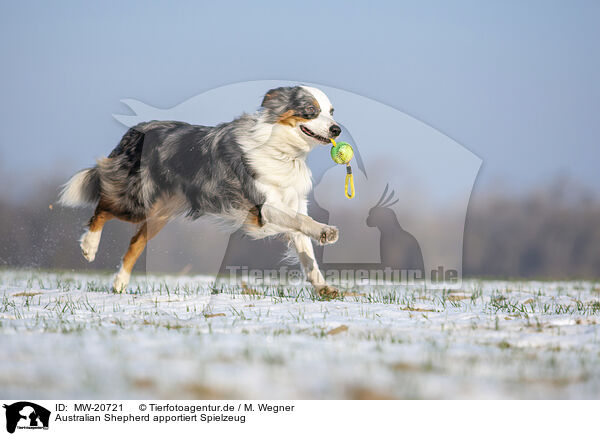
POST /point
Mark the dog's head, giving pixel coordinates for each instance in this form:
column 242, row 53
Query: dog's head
column 306, row 110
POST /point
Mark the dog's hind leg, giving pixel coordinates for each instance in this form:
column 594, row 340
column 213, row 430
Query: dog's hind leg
column 146, row 231
column 89, row 240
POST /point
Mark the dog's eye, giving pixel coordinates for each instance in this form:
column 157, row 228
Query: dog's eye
column 310, row 110
column 331, row 111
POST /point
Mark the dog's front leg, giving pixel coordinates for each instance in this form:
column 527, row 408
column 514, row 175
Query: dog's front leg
column 301, row 228
column 290, row 220
column 306, row 255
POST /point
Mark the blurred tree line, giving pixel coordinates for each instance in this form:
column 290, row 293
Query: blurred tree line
column 549, row 233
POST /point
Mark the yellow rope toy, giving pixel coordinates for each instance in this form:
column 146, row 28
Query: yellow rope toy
column 342, row 153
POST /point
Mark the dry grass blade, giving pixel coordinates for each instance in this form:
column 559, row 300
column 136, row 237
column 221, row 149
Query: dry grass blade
column 337, row 330
column 249, row 291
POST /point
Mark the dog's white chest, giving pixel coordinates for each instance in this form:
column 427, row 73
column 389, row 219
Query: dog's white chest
column 286, row 183
column 281, row 171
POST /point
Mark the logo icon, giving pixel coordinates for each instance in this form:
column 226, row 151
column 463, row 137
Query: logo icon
column 26, row 415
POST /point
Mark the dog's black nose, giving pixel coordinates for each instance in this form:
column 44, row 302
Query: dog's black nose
column 335, row 130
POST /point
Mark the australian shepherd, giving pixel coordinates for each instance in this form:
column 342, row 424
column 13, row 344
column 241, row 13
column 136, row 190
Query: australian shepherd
column 251, row 171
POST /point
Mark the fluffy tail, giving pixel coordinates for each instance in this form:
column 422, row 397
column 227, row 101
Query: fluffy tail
column 83, row 189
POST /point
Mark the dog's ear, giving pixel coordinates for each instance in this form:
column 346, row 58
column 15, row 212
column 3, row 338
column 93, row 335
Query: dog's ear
column 277, row 98
column 276, row 103
column 269, row 97
column 281, row 103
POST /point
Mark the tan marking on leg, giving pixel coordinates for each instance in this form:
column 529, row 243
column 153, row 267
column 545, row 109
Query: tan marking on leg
column 254, row 219
column 160, row 214
column 99, row 219
column 147, row 231
column 136, row 247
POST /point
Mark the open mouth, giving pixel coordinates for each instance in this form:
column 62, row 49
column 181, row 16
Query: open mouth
column 312, row 134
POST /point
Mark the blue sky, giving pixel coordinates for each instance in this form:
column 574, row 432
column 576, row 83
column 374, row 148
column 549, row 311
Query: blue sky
column 515, row 82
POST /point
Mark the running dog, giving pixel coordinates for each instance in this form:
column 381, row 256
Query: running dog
column 251, row 172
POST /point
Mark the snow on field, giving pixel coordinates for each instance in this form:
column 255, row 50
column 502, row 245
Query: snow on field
column 65, row 335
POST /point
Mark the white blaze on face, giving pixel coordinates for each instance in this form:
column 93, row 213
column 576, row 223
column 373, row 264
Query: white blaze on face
column 322, row 99
column 324, row 121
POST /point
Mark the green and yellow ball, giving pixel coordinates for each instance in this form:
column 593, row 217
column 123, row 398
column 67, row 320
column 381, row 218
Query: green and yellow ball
column 342, row 153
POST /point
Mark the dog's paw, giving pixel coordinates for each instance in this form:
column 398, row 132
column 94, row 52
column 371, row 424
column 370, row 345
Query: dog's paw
column 329, row 235
column 89, row 245
column 327, row 292
column 121, row 281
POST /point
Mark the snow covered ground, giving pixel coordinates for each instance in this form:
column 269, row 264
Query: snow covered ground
column 65, row 335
